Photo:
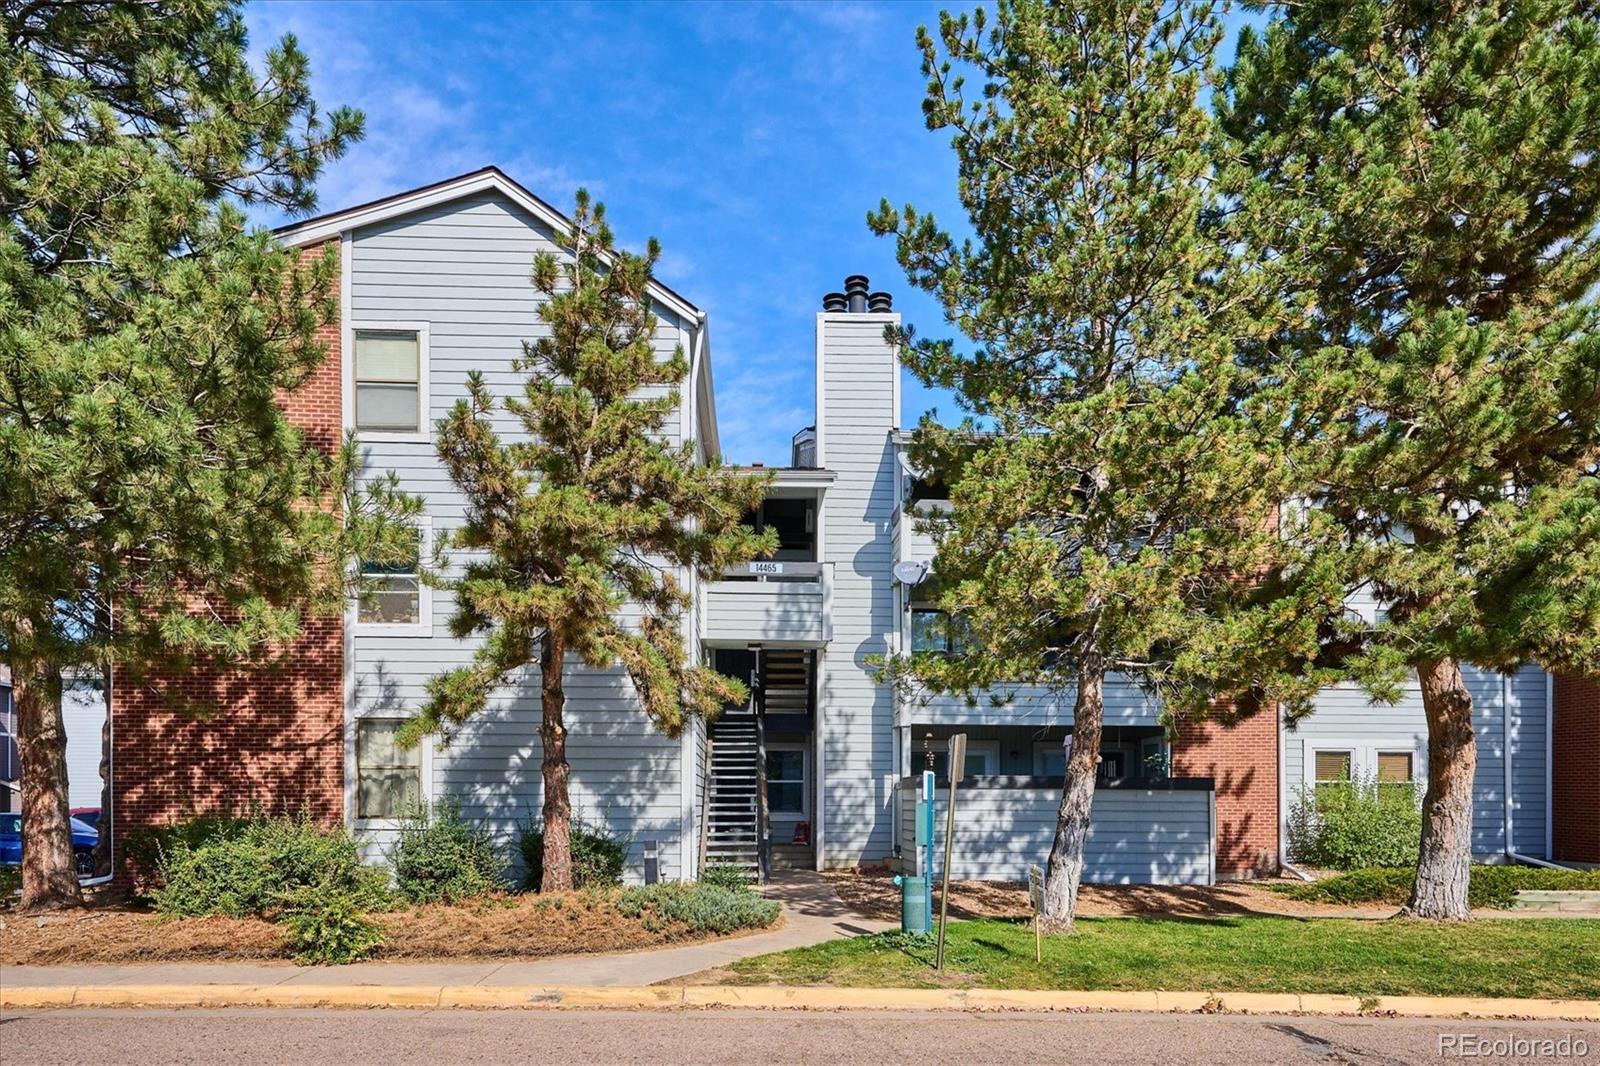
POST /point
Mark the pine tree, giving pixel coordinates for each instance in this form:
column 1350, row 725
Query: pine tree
column 1424, row 178
column 1110, row 492
column 589, row 512
column 156, row 507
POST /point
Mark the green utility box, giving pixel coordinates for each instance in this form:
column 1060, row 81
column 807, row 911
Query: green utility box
column 916, row 889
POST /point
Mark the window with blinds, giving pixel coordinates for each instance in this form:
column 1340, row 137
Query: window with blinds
column 1332, row 766
column 388, row 776
column 388, row 366
column 1394, row 767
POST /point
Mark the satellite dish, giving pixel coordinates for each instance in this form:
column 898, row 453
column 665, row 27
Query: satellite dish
column 911, row 572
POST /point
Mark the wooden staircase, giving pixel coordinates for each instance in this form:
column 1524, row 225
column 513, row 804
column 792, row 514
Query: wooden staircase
column 786, row 682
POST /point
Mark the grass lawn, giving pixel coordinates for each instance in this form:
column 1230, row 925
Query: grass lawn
column 1549, row 958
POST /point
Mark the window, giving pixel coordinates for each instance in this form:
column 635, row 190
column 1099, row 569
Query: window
column 1154, row 761
column 393, row 596
column 1394, row 767
column 1113, row 764
column 1049, row 758
column 932, row 630
column 981, row 760
column 786, row 780
column 388, row 776
column 389, row 394
column 1332, row 767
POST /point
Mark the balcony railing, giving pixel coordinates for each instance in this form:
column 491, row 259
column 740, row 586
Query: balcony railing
column 776, row 603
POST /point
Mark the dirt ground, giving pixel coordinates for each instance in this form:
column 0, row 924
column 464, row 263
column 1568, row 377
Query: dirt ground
column 500, row 927
column 875, row 896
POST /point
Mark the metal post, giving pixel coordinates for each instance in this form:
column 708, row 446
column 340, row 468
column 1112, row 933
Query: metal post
column 957, row 770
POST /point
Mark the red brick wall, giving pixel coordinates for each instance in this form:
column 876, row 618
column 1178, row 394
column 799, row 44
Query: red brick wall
column 1575, row 775
column 277, row 741
column 1242, row 758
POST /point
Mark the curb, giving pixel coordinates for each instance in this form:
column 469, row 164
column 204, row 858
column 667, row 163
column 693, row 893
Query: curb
column 660, row 997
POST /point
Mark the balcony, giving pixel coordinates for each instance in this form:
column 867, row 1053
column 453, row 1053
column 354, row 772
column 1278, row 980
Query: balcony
column 777, row 604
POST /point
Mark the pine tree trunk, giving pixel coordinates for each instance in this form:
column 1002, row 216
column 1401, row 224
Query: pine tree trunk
column 1445, row 859
column 49, row 875
column 1065, row 871
column 557, row 802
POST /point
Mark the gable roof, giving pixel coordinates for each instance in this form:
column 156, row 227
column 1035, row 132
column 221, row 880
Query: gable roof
column 488, row 179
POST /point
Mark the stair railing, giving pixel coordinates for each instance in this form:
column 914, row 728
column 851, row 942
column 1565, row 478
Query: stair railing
column 763, row 829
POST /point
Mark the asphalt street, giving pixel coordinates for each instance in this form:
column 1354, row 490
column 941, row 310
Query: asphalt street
column 552, row 1038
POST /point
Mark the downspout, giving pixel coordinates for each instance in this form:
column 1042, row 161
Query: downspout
column 1549, row 765
column 1512, row 854
column 108, row 817
column 1283, row 796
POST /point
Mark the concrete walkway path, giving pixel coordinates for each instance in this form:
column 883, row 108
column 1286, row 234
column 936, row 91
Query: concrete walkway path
column 812, row 914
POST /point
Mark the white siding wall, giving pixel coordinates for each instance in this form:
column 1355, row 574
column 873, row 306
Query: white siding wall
column 463, row 269
column 1344, row 717
column 856, row 714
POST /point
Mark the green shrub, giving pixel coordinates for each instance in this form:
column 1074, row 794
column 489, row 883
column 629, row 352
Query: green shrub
column 10, row 883
column 1489, row 886
column 1375, row 884
column 701, row 907
column 725, row 876
column 440, row 857
column 257, row 867
column 147, row 844
column 598, row 854
column 328, row 927
column 1353, row 824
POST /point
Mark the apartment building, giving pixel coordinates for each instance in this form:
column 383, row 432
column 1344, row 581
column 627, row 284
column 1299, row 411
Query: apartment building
column 816, row 770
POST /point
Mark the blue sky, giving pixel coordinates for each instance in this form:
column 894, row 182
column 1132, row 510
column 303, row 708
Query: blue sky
column 750, row 139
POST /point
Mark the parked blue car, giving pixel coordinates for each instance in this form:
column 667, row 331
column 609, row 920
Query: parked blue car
column 84, row 838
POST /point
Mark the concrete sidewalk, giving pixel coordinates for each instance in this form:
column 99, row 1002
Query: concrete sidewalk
column 812, row 914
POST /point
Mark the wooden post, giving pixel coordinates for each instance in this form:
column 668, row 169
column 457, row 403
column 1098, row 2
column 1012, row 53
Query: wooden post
column 957, row 770
column 1036, row 904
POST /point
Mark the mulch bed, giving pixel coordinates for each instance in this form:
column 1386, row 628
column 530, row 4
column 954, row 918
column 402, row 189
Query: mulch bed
column 573, row 923
column 877, row 897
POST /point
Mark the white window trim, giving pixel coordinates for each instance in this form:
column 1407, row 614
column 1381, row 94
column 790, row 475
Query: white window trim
column 424, row 431
column 1394, row 750
column 423, row 626
column 1042, row 748
column 353, row 781
column 989, row 749
column 804, row 813
column 1363, row 757
column 1143, row 754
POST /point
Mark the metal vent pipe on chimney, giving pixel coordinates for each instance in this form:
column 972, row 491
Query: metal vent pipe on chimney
column 855, row 290
column 835, row 301
column 880, row 303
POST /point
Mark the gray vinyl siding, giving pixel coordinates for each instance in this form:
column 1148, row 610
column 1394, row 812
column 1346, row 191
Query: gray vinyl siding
column 856, row 713
column 463, row 268
column 1344, row 716
column 1125, row 704
column 696, row 756
column 1136, row 836
column 740, row 612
